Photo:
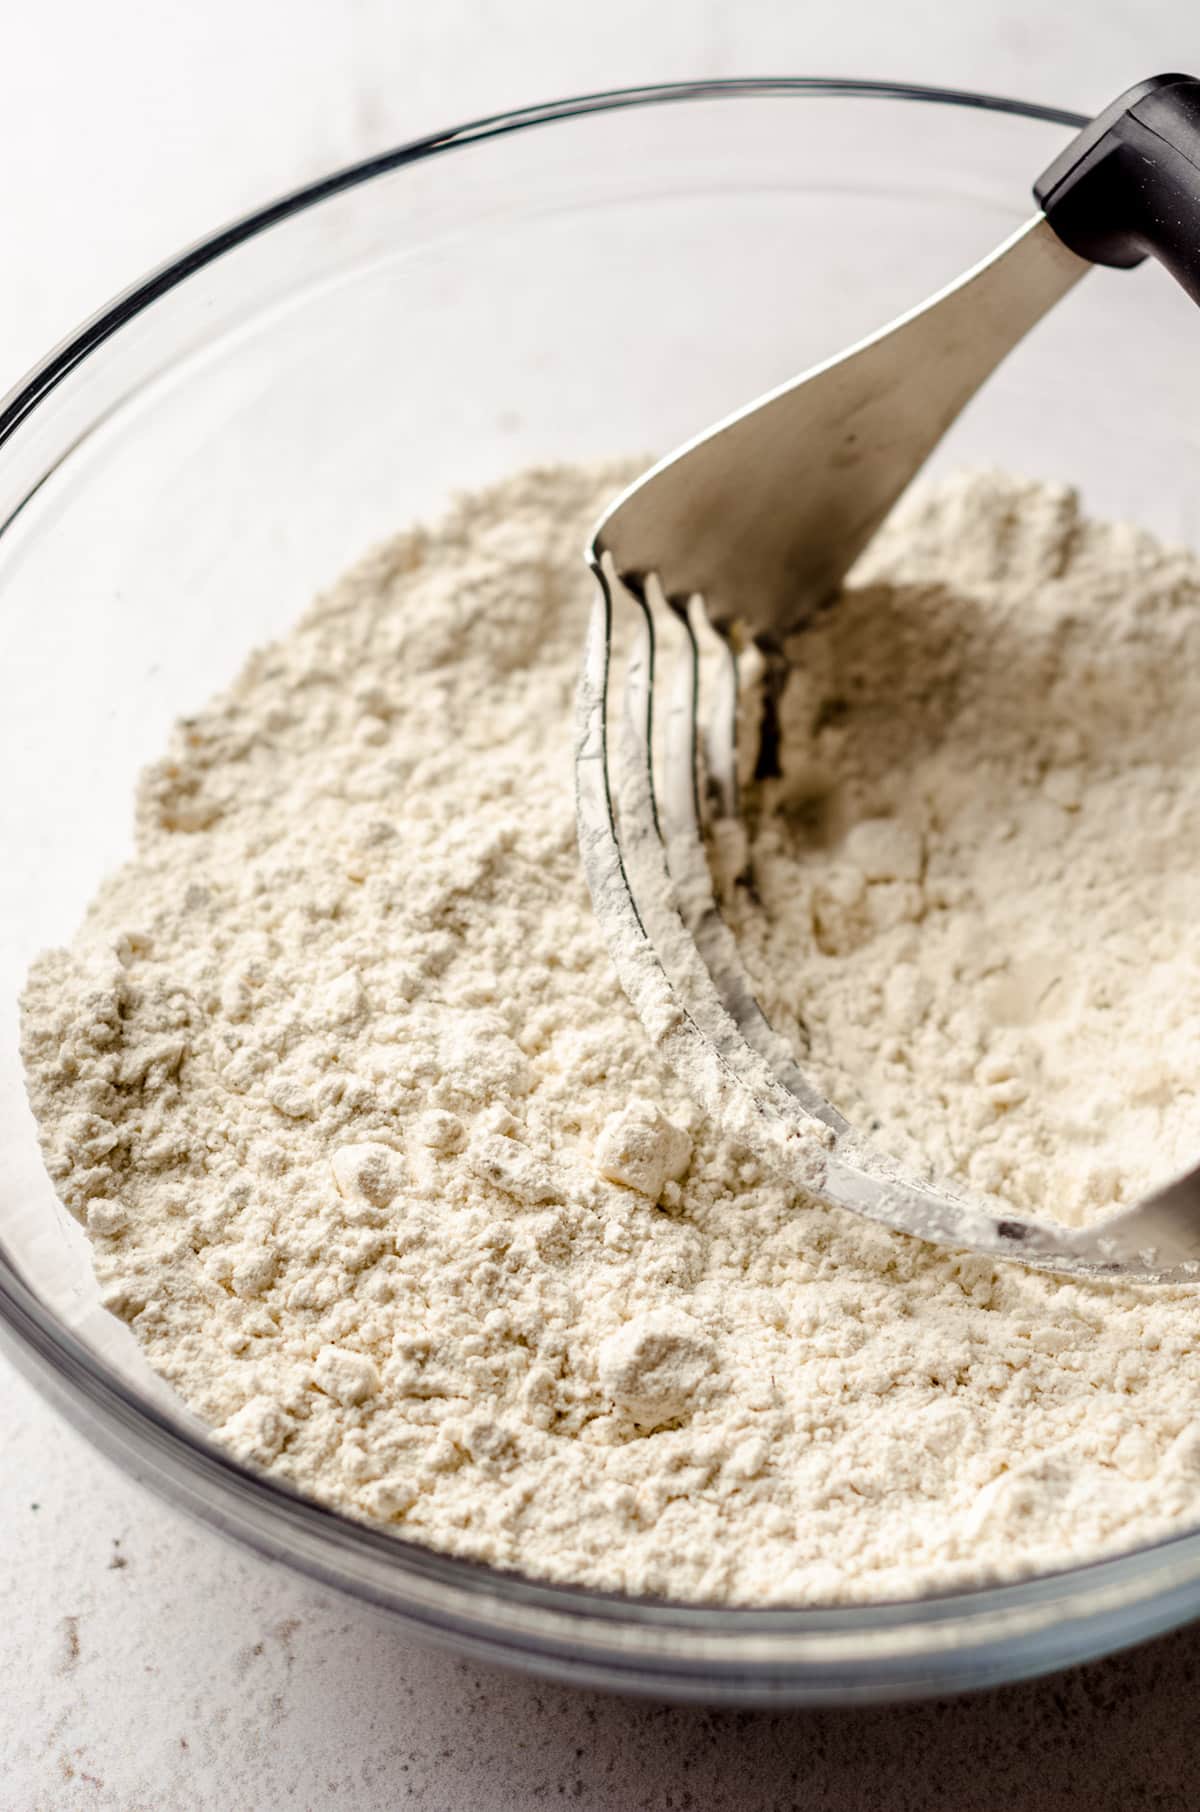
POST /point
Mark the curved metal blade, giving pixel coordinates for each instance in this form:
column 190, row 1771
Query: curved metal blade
column 765, row 512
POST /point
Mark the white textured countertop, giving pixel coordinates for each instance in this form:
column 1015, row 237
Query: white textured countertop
column 144, row 1666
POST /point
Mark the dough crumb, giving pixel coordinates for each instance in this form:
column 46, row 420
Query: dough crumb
column 641, row 1149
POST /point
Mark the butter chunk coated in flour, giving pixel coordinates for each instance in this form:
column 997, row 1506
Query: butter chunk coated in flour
column 379, row 1167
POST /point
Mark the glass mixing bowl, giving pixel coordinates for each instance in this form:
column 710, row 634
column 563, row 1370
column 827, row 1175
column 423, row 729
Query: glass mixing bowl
column 598, row 277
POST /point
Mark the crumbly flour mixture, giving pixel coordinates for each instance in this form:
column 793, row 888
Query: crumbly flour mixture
column 971, row 897
column 381, row 1170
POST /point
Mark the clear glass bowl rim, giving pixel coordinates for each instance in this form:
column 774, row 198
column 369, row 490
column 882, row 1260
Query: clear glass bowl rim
column 689, row 1650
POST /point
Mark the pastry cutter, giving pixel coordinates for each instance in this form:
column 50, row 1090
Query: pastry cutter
column 742, row 535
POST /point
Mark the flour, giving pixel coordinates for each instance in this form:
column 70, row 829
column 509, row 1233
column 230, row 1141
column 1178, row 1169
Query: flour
column 975, row 882
column 381, row 1171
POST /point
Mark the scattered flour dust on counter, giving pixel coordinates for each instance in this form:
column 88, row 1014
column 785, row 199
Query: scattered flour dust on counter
column 382, row 1172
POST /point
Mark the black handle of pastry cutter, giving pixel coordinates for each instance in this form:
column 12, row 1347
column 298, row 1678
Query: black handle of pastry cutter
column 1129, row 185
